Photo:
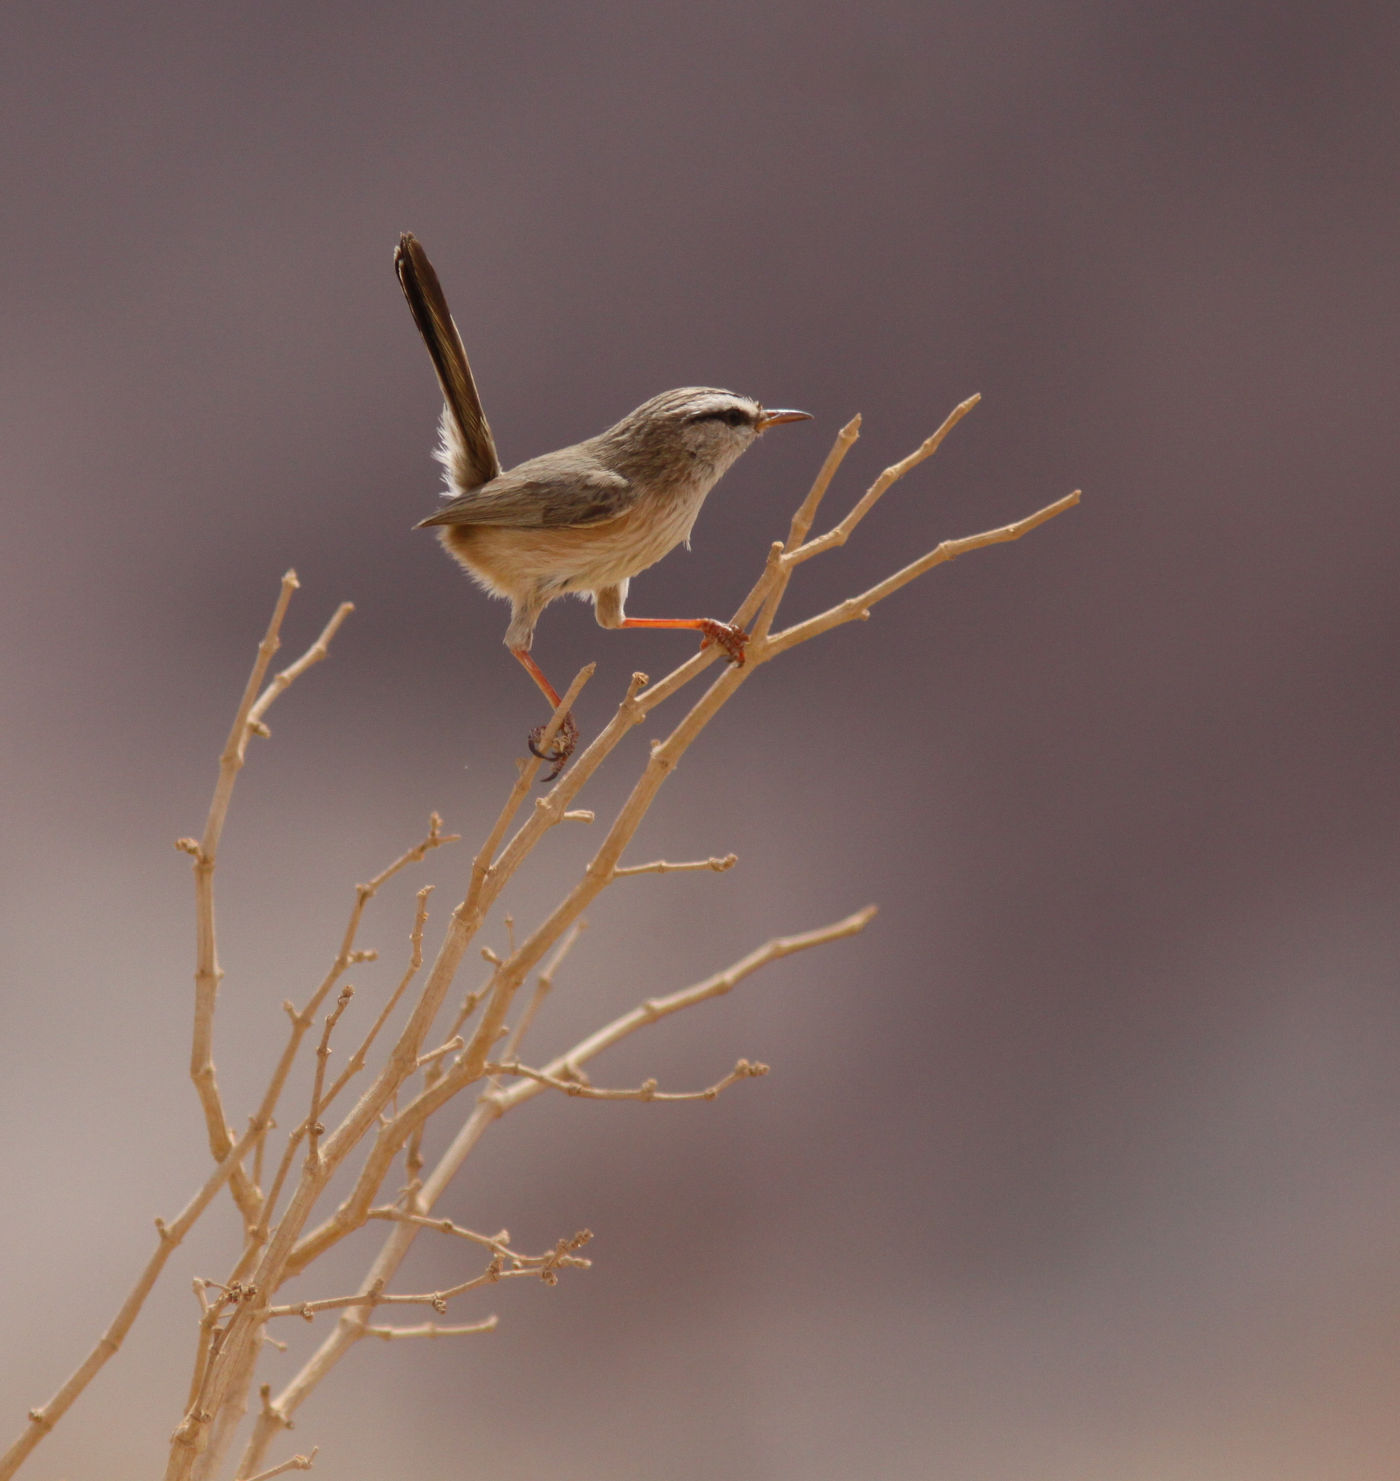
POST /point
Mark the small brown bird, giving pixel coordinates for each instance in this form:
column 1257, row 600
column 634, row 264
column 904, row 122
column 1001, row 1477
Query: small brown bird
column 584, row 519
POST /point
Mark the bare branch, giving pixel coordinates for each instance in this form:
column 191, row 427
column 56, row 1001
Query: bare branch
column 806, row 513
column 301, row 1022
column 323, row 1053
column 543, row 983
column 455, row 1043
column 344, row 959
column 498, row 1244
column 431, row 1329
column 655, row 1009
column 314, row 654
column 235, row 748
column 297, row 1463
column 664, row 866
column 356, row 1061
column 647, row 1090
column 208, row 973
column 840, row 533
column 561, row 1258
column 855, row 608
column 778, row 569
column 44, row 1418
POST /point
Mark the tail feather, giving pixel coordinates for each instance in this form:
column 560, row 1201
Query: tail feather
column 470, row 448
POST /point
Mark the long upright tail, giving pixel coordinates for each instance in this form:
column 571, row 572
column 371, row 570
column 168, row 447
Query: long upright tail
column 470, row 446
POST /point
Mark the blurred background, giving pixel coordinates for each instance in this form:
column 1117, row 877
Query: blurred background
column 1082, row 1162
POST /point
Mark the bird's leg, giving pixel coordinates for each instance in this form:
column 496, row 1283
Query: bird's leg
column 732, row 639
column 566, row 737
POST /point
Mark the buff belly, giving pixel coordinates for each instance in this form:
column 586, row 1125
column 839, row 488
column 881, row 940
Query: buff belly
column 525, row 565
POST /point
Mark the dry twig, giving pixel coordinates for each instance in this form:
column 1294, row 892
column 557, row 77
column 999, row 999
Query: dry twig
column 297, row 1463
column 576, row 1085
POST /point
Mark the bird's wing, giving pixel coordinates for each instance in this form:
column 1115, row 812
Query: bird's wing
column 545, row 493
column 430, row 312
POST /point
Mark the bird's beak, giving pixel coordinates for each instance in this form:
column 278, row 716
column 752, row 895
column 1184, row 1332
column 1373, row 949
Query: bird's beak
column 772, row 418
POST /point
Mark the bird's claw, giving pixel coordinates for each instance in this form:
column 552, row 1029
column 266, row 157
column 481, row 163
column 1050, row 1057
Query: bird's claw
column 565, row 739
column 732, row 639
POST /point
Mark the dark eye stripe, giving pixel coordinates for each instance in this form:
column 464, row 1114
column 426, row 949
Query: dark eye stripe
column 731, row 416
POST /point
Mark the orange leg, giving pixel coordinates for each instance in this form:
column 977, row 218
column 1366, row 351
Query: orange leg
column 566, row 738
column 537, row 674
column 731, row 639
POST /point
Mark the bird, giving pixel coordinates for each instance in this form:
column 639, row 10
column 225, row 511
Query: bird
column 584, row 519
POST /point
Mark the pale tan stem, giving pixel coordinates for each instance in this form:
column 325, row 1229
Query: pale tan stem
column 841, row 532
column 857, row 608
column 488, row 877
column 806, row 512
column 297, row 1463
column 802, row 524
column 653, row 1010
column 498, row 1244
column 44, row 1418
column 543, row 983
column 289, row 675
column 356, row 1062
column 248, row 721
column 230, row 1368
column 302, row 1021
column 646, row 1091
column 664, row 866
column 229, row 1415
column 466, row 921
column 350, row 1328
column 205, row 851
column 344, row 959
column 431, row 1329
column 308, row 1310
column 318, row 1082
column 455, row 1043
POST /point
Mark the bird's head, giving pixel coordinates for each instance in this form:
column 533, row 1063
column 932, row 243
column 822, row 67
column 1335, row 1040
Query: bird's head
column 693, row 427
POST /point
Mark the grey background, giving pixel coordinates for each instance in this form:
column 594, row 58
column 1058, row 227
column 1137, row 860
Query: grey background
column 1082, row 1162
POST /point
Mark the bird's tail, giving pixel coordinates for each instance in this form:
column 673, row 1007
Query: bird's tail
column 468, row 447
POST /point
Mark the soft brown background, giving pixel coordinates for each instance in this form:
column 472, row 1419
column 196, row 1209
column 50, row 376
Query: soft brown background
column 1082, row 1164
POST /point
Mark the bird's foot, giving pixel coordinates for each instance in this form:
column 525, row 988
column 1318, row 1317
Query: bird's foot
column 732, row 639
column 565, row 739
